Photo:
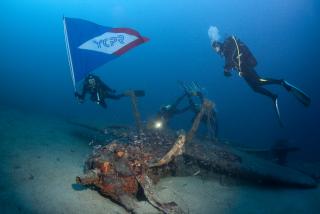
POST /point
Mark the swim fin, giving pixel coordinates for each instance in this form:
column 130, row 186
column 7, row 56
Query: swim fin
column 278, row 111
column 298, row 93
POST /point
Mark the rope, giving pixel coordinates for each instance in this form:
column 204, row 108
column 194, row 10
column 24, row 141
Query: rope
column 239, row 54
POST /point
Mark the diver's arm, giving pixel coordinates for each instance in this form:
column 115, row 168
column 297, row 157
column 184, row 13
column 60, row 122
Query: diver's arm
column 228, row 65
column 180, row 111
column 101, row 86
column 104, row 87
column 227, row 72
column 228, row 50
column 83, row 93
column 176, row 103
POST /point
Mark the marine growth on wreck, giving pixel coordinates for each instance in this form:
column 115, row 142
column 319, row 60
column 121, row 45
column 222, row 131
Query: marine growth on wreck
column 134, row 159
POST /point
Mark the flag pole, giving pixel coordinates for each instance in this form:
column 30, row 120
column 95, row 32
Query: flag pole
column 69, row 53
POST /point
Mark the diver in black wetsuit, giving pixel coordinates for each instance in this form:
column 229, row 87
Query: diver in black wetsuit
column 209, row 120
column 238, row 57
column 98, row 90
column 169, row 111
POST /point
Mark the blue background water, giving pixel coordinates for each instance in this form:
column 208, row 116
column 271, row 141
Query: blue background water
column 283, row 35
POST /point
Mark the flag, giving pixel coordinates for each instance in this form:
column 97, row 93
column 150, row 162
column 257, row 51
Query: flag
column 90, row 45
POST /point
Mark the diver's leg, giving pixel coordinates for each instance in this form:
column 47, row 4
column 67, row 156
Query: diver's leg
column 256, row 83
column 270, row 81
column 261, row 90
column 253, row 76
column 298, row 93
column 256, row 87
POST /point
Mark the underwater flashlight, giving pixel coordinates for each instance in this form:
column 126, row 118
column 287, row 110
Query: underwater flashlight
column 158, row 124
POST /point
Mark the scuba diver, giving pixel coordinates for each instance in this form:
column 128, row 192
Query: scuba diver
column 98, row 90
column 169, row 111
column 238, row 57
column 209, row 119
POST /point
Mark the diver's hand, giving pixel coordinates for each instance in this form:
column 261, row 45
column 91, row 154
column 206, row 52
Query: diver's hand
column 80, row 100
column 77, row 95
column 227, row 73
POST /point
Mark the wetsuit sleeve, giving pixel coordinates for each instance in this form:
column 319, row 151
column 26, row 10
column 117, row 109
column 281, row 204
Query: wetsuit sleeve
column 228, row 51
column 176, row 103
column 180, row 111
column 104, row 87
column 174, row 110
column 85, row 89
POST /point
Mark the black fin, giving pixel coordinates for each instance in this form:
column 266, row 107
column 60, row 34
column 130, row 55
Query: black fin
column 278, row 112
column 298, row 93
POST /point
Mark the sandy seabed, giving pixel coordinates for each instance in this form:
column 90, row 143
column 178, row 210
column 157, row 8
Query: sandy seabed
column 41, row 156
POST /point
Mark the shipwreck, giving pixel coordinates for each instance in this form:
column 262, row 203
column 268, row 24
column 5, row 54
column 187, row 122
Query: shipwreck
column 133, row 160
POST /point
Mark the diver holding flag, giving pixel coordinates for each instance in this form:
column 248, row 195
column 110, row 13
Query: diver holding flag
column 98, row 90
column 89, row 46
column 238, row 57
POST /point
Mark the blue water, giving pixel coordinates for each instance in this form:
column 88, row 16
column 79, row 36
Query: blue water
column 283, row 35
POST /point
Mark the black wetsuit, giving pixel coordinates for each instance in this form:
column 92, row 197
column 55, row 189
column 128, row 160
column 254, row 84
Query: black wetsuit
column 210, row 121
column 169, row 112
column 239, row 57
column 99, row 91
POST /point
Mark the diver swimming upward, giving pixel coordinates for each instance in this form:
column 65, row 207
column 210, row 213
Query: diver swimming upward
column 238, row 57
